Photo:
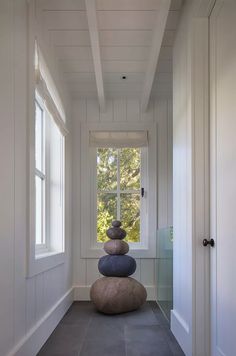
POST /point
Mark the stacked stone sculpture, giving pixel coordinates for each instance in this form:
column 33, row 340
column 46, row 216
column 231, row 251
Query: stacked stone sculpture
column 117, row 292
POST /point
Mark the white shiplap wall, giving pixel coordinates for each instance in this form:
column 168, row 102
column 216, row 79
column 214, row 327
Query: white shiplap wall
column 29, row 307
column 85, row 270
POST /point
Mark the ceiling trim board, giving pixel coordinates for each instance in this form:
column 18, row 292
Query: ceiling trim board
column 158, row 34
column 94, row 38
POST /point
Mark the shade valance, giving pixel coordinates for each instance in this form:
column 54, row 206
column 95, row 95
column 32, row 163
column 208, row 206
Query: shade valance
column 47, row 89
column 118, row 139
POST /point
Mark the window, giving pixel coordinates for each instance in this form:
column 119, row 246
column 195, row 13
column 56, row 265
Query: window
column 47, row 170
column 49, row 181
column 119, row 191
column 117, row 161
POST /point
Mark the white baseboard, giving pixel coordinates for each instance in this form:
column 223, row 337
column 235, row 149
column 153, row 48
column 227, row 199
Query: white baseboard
column 40, row 332
column 81, row 293
column 181, row 331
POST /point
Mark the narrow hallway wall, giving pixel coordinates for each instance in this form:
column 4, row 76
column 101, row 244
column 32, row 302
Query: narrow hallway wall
column 29, row 307
column 85, row 270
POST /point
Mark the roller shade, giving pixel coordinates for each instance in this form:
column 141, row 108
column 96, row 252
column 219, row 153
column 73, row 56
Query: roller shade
column 118, row 139
column 46, row 88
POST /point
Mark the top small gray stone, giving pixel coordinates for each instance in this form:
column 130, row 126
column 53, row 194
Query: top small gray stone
column 116, row 223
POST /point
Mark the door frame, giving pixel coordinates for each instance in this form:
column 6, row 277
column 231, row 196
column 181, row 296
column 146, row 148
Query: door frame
column 201, row 329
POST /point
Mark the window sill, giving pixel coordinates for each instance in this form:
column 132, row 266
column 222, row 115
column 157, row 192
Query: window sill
column 141, row 252
column 43, row 261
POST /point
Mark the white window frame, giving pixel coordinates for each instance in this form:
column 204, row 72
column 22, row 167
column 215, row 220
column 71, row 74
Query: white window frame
column 118, row 191
column 90, row 248
column 44, row 257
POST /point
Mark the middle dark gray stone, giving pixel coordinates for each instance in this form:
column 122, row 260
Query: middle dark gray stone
column 117, row 265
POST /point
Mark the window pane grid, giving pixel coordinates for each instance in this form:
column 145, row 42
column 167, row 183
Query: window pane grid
column 128, row 200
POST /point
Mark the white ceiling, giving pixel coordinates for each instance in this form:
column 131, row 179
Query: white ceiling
column 125, row 32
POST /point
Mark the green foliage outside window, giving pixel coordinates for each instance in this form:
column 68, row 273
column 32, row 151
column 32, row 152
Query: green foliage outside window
column 118, row 186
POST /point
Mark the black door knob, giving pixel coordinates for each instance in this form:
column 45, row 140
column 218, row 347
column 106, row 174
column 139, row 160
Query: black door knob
column 210, row 242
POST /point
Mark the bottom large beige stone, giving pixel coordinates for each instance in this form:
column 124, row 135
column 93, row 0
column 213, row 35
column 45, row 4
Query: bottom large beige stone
column 115, row 295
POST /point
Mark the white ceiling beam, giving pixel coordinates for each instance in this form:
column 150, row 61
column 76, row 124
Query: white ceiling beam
column 94, row 38
column 158, row 33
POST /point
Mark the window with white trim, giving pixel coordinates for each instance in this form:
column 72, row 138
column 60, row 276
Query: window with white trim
column 48, row 130
column 121, row 191
column 110, row 152
column 49, row 181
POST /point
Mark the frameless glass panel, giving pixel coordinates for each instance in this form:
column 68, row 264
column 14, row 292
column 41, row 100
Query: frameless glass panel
column 130, row 163
column 39, row 211
column 106, row 169
column 106, row 212
column 164, row 270
column 130, row 216
column 39, row 137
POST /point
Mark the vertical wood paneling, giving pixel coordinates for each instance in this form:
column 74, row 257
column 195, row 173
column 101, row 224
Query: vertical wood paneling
column 7, row 178
column 162, row 161
column 147, row 272
column 137, row 274
column 119, row 108
column 39, row 296
column 133, row 110
column 148, row 116
column 22, row 300
column 79, row 110
column 30, row 303
column 92, row 110
column 79, row 265
column 107, row 114
column 92, row 270
column 80, row 277
column 20, row 118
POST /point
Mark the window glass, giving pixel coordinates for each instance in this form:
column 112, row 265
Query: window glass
column 130, row 215
column 39, row 211
column 106, row 212
column 118, row 190
column 39, row 137
column 129, row 168
column 107, row 169
column 49, row 181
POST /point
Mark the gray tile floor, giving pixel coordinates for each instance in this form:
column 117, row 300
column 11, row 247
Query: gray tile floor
column 85, row 332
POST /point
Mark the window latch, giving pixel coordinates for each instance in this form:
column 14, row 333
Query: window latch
column 142, row 192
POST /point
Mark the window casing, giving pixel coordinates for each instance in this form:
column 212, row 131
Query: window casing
column 46, row 150
column 90, row 247
column 49, row 182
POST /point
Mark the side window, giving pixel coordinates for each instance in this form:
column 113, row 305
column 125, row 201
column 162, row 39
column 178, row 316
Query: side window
column 49, row 181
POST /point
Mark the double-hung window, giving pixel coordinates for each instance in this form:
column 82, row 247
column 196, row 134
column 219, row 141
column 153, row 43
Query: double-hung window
column 121, row 190
column 120, row 187
column 47, row 169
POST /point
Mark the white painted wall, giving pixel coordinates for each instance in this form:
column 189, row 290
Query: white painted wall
column 189, row 319
column 85, row 270
column 181, row 318
column 29, row 307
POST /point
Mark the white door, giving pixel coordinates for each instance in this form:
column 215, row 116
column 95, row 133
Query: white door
column 223, row 176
